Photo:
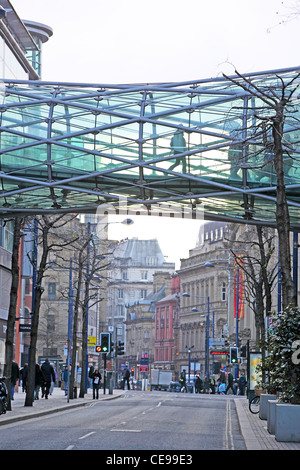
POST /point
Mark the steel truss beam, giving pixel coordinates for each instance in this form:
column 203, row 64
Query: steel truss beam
column 73, row 146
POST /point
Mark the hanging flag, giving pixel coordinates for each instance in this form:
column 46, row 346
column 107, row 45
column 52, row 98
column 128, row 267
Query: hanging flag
column 239, row 287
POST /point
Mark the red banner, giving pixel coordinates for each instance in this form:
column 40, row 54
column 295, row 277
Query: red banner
column 239, row 287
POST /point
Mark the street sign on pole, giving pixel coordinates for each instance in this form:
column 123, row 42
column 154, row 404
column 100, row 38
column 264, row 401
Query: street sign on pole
column 24, row 328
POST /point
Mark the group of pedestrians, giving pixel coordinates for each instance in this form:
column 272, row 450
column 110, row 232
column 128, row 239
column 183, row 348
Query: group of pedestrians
column 44, row 378
column 222, row 384
column 226, row 383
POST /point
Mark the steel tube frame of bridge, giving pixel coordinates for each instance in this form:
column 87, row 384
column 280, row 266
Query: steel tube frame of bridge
column 74, row 146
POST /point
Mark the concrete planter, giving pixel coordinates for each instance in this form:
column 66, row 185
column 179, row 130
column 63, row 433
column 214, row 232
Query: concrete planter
column 271, row 416
column 264, row 398
column 287, row 422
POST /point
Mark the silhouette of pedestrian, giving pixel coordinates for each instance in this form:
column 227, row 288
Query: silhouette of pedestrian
column 182, row 381
column 15, row 374
column 242, row 384
column 39, row 380
column 96, row 376
column 126, row 378
column 230, row 383
column 48, row 372
column 178, row 145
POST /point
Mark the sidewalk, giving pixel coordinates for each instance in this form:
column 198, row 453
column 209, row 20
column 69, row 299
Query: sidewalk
column 55, row 403
column 255, row 432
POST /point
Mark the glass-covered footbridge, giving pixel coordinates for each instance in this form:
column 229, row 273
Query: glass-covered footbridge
column 71, row 147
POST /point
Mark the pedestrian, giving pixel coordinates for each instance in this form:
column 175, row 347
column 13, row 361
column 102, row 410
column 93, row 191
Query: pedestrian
column 178, row 145
column 206, row 385
column 48, row 372
column 15, row 375
column 198, row 384
column 91, row 371
column 24, row 377
column 53, row 381
column 230, row 383
column 96, row 383
column 126, row 378
column 182, row 381
column 242, row 383
column 39, row 380
column 65, row 379
column 212, row 384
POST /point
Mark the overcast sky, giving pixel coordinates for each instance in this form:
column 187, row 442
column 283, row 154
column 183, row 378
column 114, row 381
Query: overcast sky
column 133, row 41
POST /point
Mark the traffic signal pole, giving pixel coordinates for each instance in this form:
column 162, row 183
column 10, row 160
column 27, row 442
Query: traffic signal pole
column 104, row 373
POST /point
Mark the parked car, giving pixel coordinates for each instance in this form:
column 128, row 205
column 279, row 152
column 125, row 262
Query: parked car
column 174, row 387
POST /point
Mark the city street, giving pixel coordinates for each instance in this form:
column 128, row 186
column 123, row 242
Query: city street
column 136, row 421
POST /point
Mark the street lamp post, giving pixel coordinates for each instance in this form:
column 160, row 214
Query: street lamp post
column 189, row 363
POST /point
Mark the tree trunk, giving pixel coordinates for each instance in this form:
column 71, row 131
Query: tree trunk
column 282, row 212
column 35, row 318
column 15, row 271
column 75, row 319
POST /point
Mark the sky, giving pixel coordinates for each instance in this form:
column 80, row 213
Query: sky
column 141, row 41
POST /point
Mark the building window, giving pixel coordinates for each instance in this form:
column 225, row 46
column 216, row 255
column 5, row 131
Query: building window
column 6, row 234
column 151, row 260
column 27, row 286
column 120, row 293
column 124, row 275
column 143, row 293
column 119, row 310
column 144, row 274
column 51, row 323
column 223, row 291
column 51, row 290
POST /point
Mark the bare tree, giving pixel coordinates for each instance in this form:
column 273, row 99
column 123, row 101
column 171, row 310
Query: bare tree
column 47, row 226
column 260, row 271
column 88, row 266
column 15, row 270
column 276, row 103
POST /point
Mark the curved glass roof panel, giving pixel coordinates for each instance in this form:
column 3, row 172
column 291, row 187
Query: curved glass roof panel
column 70, row 147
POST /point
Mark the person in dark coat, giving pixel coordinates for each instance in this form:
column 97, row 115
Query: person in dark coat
column 39, row 381
column 96, row 376
column 126, row 378
column 24, row 377
column 242, row 384
column 230, row 383
column 198, row 384
column 48, row 372
column 15, row 375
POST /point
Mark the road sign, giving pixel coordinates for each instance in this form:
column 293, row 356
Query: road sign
column 24, row 328
column 92, row 341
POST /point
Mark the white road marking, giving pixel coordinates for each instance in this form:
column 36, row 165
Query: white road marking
column 127, row 430
column 87, row 435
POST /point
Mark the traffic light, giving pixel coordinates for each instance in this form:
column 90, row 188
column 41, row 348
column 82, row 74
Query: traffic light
column 120, row 348
column 233, row 355
column 243, row 351
column 105, row 342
